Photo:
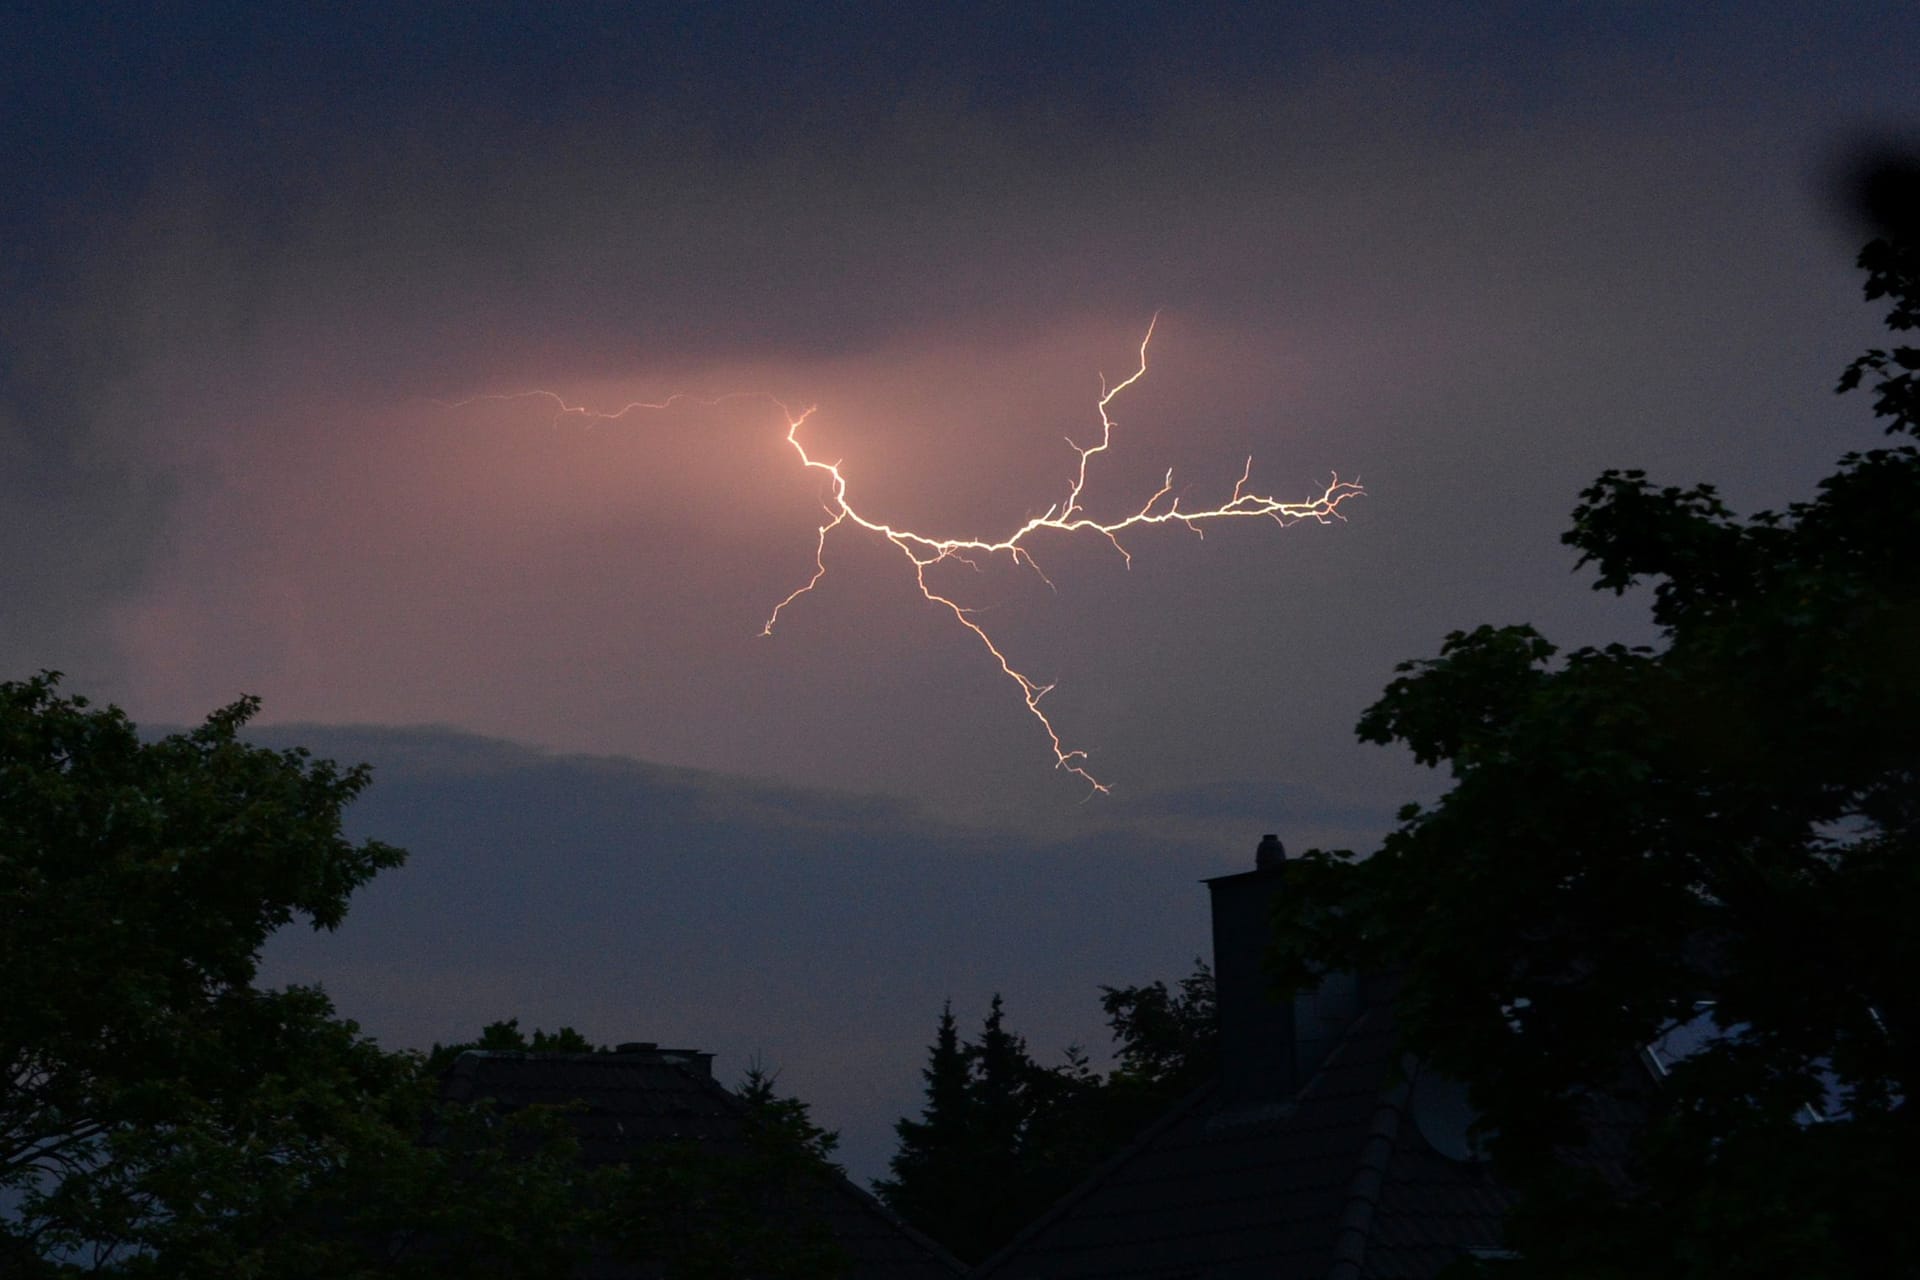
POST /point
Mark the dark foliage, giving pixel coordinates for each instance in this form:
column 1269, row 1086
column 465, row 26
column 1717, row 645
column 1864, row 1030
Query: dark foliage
column 1165, row 1043
column 699, row 1214
column 160, row 1115
column 506, row 1037
column 156, row 1106
column 1732, row 816
column 1002, row 1137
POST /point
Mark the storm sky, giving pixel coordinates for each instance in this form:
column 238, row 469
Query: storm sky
column 254, row 261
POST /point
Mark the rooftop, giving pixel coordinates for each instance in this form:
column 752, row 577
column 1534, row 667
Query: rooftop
column 642, row 1095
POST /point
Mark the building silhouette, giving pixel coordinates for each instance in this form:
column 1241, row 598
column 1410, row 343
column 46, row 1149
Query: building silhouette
column 1319, row 1151
column 638, row 1096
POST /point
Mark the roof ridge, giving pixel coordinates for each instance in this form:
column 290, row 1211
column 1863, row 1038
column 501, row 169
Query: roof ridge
column 1355, row 1228
column 1088, row 1184
column 867, row 1200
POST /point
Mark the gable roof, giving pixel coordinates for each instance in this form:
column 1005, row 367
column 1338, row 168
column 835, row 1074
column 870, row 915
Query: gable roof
column 630, row 1099
column 1336, row 1181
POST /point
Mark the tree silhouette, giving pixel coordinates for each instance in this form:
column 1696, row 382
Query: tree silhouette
column 157, row 1104
column 1716, row 837
column 160, row 1114
column 1165, row 1042
column 1001, row 1137
column 506, row 1037
column 931, row 1185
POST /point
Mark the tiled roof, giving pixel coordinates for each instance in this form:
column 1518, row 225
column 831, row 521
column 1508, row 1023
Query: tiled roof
column 629, row 1100
column 1430, row 1210
column 1335, row 1182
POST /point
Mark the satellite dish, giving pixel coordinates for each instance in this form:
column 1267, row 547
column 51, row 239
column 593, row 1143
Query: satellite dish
column 1445, row 1118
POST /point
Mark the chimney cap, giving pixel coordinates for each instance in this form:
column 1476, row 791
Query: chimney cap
column 1271, row 854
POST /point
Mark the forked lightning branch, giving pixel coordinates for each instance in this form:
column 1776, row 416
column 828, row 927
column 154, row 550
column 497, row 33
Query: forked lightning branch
column 1068, row 516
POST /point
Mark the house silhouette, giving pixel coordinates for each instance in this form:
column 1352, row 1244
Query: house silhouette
column 639, row 1095
column 1320, row 1149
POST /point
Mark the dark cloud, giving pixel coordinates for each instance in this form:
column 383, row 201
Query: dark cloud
column 1247, row 802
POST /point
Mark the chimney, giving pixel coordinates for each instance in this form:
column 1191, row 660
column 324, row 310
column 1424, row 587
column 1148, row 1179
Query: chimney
column 1268, row 1046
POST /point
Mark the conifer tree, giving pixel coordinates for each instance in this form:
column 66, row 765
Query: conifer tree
column 1003, row 1093
column 1002, row 1079
column 1001, row 1137
column 930, row 1177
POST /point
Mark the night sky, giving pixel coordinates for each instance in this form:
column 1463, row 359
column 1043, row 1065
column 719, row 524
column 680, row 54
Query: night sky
column 1469, row 257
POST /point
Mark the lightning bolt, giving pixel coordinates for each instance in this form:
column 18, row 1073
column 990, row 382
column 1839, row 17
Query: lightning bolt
column 1067, row 516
